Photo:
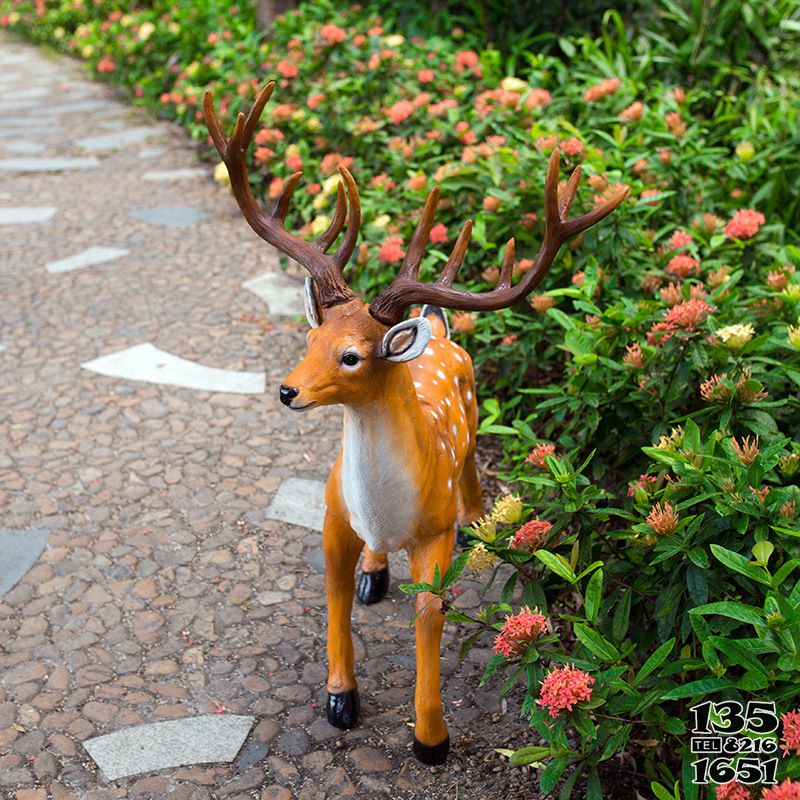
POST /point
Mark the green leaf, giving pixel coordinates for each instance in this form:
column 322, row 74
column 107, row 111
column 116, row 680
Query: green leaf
column 454, row 571
column 528, row 755
column 415, row 588
column 556, row 563
column 741, row 564
column 655, row 661
column 732, row 610
column 596, row 644
column 594, row 791
column 663, row 794
column 594, row 594
column 621, row 619
column 697, row 688
column 552, row 773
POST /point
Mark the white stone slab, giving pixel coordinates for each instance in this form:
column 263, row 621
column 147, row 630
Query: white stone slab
column 145, row 362
column 282, row 294
column 86, row 258
column 19, row 551
column 112, row 141
column 299, row 501
column 150, row 153
column 32, row 164
column 25, row 94
column 170, row 216
column 175, row 174
column 175, row 743
column 20, row 215
column 24, row 147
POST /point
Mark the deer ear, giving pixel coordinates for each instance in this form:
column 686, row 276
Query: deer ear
column 311, row 304
column 406, row 340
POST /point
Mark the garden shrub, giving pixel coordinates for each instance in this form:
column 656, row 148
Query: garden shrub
column 646, row 396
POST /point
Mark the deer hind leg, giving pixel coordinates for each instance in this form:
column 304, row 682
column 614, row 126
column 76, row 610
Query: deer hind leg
column 373, row 583
column 342, row 548
column 470, row 498
column 431, row 741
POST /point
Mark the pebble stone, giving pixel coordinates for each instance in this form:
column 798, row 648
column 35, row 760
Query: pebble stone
column 282, row 294
column 175, row 743
column 146, row 362
column 299, row 501
column 90, row 257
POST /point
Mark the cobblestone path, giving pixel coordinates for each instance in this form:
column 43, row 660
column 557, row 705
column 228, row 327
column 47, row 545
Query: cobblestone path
column 164, row 591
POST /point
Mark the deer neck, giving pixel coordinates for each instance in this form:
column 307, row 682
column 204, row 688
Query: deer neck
column 384, row 446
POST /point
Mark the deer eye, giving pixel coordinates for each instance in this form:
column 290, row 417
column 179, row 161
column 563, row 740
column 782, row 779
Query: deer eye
column 350, row 359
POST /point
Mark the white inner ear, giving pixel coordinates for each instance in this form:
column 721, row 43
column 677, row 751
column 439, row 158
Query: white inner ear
column 310, row 303
column 406, row 340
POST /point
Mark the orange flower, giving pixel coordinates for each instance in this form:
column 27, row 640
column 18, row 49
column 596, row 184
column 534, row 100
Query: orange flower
column 439, row 233
column 745, row 224
column 542, row 302
column 332, row 33
column 400, row 111
column 491, row 203
column 601, row 90
column 664, row 520
column 425, row 76
column 391, row 250
column 747, row 452
column 633, row 112
column 287, row 69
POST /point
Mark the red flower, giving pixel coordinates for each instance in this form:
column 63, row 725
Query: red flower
column 332, row 33
column 439, row 233
column 679, row 239
column 287, row 70
column 745, row 224
column 788, row 790
column 539, row 453
column 391, row 250
column 790, row 738
column 563, row 688
column 518, row 631
column 425, row 75
column 400, row 111
column 733, row 791
column 466, row 59
column 683, row 265
column 531, row 536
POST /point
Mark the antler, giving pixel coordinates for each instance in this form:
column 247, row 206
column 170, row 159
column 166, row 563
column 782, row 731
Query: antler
column 326, row 270
column 406, row 290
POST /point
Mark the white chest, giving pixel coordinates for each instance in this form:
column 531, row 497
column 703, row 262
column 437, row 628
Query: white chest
column 377, row 487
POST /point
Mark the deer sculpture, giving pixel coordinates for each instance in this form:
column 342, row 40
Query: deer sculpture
column 405, row 475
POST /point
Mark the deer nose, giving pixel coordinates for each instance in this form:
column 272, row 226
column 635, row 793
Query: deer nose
column 288, row 393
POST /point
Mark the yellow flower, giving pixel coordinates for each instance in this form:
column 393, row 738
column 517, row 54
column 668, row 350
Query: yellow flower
column 485, row 528
column 792, row 292
column 480, row 559
column 794, row 336
column 146, row 31
column 395, row 40
column 319, row 202
column 174, row 28
column 745, row 151
column 87, row 50
column 671, row 442
column 382, row 221
column 789, row 464
column 319, row 224
column 507, row 509
column 513, row 85
column 736, row 336
column 221, row 174
column 329, row 187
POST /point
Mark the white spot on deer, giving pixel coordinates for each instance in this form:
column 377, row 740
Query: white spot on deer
column 458, row 357
column 428, row 351
column 455, row 431
column 449, row 483
column 417, row 385
column 447, row 400
column 441, row 374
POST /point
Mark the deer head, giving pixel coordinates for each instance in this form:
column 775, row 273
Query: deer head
column 353, row 346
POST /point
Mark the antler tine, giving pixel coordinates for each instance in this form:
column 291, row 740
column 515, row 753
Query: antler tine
column 282, row 206
column 457, row 256
column 389, row 306
column 335, row 228
column 507, row 266
column 212, row 123
column 342, row 255
column 416, row 248
column 262, row 98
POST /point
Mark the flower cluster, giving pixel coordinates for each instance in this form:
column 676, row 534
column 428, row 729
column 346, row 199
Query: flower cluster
column 532, row 535
column 563, row 688
column 518, row 631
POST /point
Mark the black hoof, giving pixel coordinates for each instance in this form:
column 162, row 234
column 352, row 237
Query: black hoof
column 372, row 586
column 432, row 755
column 342, row 709
column 462, row 538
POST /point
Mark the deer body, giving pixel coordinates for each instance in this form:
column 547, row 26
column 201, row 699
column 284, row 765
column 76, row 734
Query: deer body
column 406, row 471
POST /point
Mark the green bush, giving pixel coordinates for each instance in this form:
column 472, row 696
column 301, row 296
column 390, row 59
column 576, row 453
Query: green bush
column 647, row 398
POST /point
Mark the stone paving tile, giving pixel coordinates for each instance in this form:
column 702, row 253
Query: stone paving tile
column 122, row 138
column 22, row 215
column 170, row 216
column 155, row 598
column 175, row 743
column 90, row 257
column 299, row 501
column 32, row 164
column 19, row 550
column 145, row 362
column 282, row 294
column 176, row 174
column 23, row 147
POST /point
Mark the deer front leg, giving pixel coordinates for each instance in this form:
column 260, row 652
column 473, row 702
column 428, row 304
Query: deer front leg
column 431, row 741
column 342, row 548
column 373, row 583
